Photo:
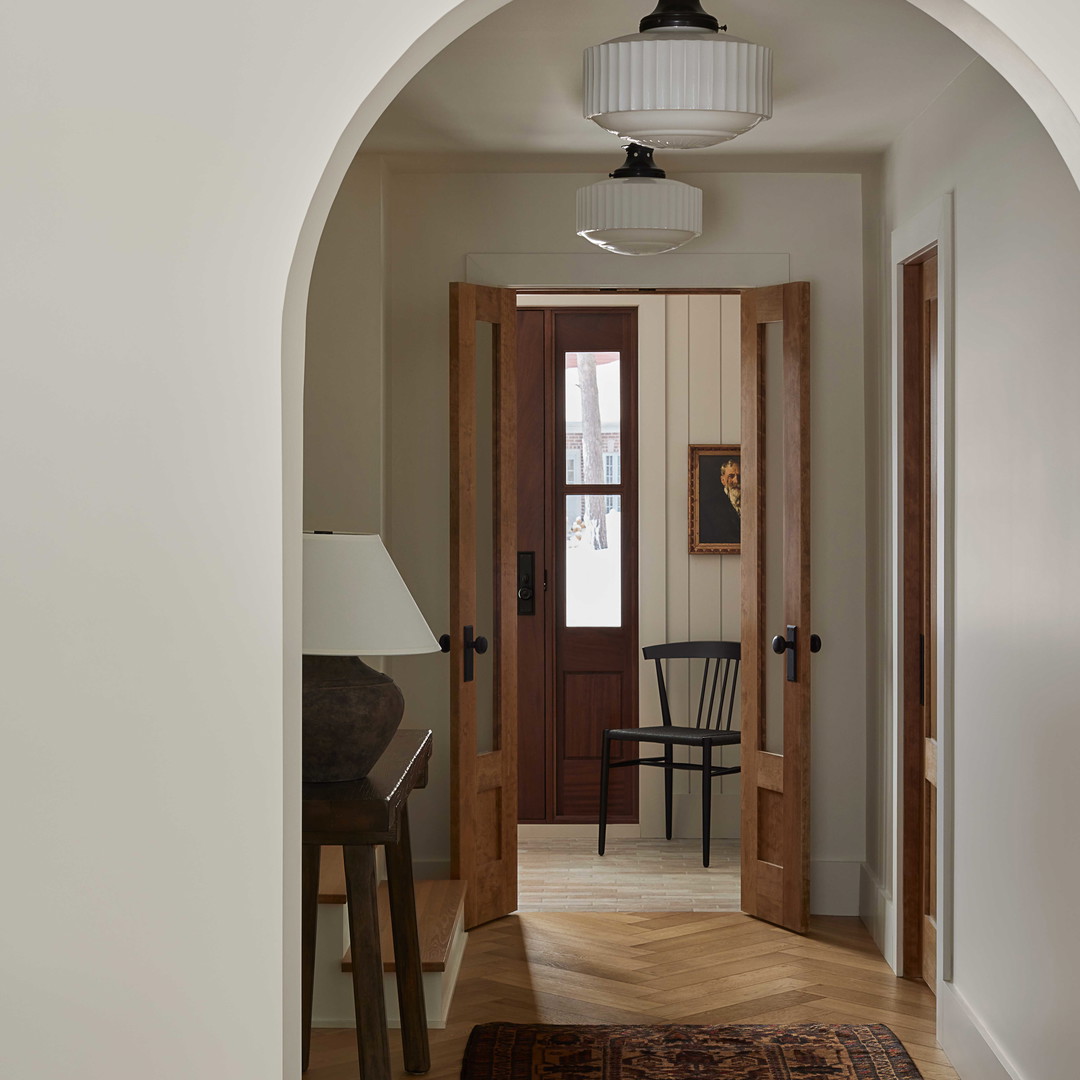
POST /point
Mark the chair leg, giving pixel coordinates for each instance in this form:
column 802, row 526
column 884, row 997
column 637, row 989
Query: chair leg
column 669, row 776
column 602, row 841
column 706, row 801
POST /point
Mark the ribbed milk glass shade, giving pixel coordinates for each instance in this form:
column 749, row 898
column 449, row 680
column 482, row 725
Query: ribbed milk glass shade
column 678, row 89
column 355, row 603
column 639, row 215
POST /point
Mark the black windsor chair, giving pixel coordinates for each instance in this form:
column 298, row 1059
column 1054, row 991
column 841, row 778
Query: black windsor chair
column 712, row 728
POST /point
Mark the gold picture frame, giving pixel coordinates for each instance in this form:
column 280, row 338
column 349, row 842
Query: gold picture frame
column 715, row 525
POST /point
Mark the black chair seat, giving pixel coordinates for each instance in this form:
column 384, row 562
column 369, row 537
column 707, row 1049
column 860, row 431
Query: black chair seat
column 711, row 729
column 675, row 735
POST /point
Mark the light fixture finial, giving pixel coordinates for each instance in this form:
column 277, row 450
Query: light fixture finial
column 678, row 13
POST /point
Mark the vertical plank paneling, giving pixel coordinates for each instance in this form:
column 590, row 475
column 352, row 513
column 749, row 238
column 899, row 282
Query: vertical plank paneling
column 678, row 568
column 705, row 419
column 728, row 815
column 704, row 410
column 730, row 432
column 655, row 543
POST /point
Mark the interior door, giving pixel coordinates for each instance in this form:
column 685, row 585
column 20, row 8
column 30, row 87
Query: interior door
column 483, row 605
column 919, row 618
column 776, row 627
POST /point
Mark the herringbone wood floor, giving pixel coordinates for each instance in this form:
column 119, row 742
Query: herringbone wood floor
column 682, row 967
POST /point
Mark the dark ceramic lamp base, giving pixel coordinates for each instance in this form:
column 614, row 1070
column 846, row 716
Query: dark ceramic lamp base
column 351, row 712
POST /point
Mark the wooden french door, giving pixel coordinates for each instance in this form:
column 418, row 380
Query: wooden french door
column 577, row 529
column 776, row 626
column 483, row 612
column 920, row 358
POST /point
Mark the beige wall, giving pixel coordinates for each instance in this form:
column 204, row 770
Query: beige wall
column 1017, row 576
column 344, row 379
column 434, row 220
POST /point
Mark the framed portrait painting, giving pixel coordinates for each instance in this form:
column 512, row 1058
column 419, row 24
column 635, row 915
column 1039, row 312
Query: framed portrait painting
column 715, row 499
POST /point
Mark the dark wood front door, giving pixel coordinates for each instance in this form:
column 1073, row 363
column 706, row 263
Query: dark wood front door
column 577, row 523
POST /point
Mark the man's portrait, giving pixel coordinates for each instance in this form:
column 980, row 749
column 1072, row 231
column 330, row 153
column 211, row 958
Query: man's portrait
column 715, row 499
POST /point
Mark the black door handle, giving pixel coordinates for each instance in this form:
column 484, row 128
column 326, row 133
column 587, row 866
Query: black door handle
column 781, row 645
column 472, row 645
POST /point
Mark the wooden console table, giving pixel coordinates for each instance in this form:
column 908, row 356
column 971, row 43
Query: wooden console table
column 359, row 815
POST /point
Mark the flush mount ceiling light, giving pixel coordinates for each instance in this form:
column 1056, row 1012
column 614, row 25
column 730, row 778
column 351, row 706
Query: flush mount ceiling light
column 680, row 83
column 638, row 211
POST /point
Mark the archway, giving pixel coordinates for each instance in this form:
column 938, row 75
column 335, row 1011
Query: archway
column 976, row 30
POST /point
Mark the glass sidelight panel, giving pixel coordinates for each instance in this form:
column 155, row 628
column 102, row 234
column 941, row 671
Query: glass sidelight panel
column 593, row 382
column 485, row 535
column 593, row 560
column 775, row 666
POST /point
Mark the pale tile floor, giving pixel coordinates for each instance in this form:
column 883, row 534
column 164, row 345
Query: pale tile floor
column 635, row 875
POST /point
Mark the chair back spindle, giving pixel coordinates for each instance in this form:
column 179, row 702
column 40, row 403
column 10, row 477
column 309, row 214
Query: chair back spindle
column 719, row 680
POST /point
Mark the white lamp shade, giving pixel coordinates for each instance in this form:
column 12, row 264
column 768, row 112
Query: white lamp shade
column 639, row 215
column 355, row 602
column 678, row 89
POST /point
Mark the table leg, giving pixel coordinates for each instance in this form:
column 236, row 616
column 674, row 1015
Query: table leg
column 410, row 979
column 372, row 1042
column 309, row 921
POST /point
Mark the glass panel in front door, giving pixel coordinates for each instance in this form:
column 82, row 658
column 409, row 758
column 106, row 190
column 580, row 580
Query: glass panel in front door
column 593, row 560
column 593, row 393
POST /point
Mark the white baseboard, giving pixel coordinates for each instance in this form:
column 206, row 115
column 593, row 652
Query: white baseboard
column 973, row 1051
column 834, row 887
column 574, row 832
column 878, row 913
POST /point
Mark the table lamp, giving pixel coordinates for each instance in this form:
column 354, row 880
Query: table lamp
column 355, row 603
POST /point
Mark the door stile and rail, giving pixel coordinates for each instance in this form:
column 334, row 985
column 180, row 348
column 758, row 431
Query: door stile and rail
column 776, row 786
column 483, row 785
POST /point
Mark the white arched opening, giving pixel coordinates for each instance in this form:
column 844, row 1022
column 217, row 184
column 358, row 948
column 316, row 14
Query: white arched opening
column 973, row 23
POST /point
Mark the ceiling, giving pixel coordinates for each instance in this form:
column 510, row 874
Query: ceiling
column 849, row 76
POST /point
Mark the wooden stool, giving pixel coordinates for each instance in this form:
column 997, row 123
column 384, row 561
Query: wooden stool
column 359, row 815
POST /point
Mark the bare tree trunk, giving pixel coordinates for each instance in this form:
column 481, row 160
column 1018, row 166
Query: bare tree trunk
column 592, row 446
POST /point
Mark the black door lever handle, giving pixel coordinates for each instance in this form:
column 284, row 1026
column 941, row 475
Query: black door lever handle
column 781, row 645
column 472, row 645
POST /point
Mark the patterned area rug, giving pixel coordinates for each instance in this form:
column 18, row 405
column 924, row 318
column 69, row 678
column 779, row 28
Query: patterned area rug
column 686, row 1052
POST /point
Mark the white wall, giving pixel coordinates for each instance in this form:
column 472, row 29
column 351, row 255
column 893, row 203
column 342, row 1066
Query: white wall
column 435, row 219
column 159, row 167
column 1017, row 529
column 343, row 385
